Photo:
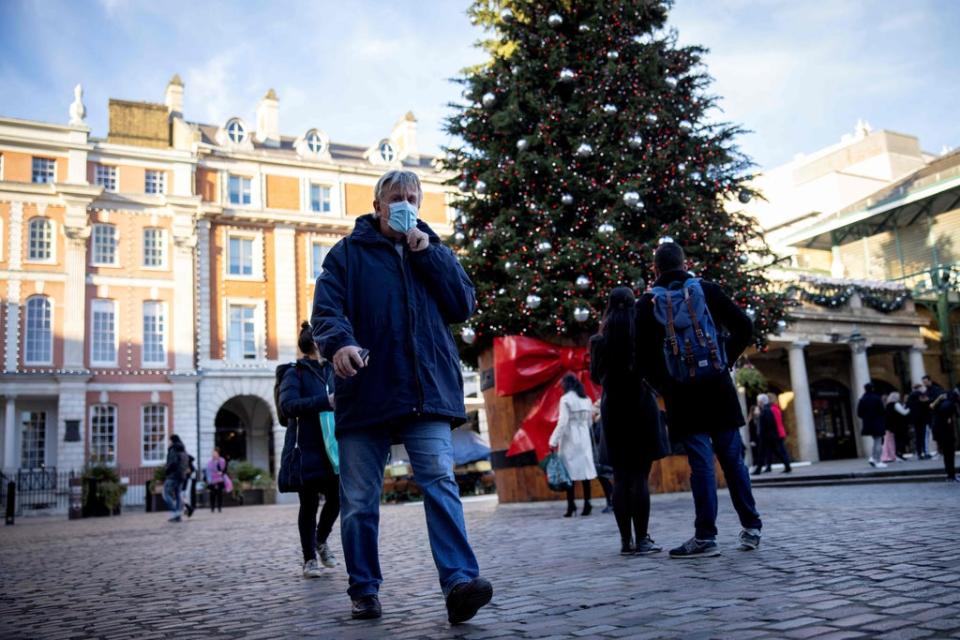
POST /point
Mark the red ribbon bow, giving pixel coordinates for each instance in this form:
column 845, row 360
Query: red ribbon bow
column 520, row 364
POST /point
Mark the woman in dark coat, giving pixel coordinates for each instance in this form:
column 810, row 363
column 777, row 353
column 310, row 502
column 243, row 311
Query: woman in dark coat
column 870, row 411
column 305, row 392
column 630, row 415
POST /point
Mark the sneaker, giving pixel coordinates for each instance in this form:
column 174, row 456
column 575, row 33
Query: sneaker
column 465, row 599
column 627, row 548
column 366, row 608
column 175, row 519
column 757, row 471
column 749, row 539
column 189, row 510
column 326, row 556
column 311, row 569
column 694, row 548
column 647, row 546
column 880, row 465
column 871, row 462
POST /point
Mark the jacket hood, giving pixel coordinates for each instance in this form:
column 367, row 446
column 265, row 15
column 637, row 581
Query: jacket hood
column 668, row 278
column 367, row 230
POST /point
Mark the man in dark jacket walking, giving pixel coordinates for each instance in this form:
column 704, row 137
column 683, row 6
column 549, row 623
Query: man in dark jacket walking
column 870, row 410
column 704, row 415
column 175, row 472
column 381, row 312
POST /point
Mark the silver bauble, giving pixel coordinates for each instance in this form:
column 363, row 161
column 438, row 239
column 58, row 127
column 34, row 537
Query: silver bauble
column 730, row 233
column 635, row 141
column 533, row 301
column 581, row 314
column 584, row 28
column 582, row 282
column 651, row 118
column 744, row 196
column 462, row 185
column 640, row 39
column 566, row 199
column 631, row 198
column 507, row 265
column 585, row 150
column 781, row 326
column 686, row 126
column 744, row 258
column 751, row 313
column 567, row 75
column 671, row 82
column 506, row 15
column 613, row 55
column 501, row 291
column 554, row 20
column 468, row 335
column 481, row 186
column 459, row 237
column 681, row 167
column 477, row 242
column 640, row 285
column 610, row 109
column 522, row 144
column 488, row 100
column 544, row 246
column 606, row 229
column 665, row 239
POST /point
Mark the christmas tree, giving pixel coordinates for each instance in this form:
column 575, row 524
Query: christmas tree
column 587, row 138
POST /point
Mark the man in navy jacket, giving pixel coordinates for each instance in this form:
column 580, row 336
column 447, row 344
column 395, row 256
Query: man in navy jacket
column 381, row 312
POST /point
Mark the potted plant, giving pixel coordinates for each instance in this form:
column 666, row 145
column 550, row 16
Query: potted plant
column 102, row 491
column 251, row 483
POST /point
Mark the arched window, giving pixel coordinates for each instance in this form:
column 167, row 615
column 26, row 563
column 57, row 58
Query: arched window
column 38, row 336
column 236, row 131
column 40, row 238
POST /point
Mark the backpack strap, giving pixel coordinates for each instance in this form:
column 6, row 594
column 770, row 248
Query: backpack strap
column 671, row 330
column 689, row 359
column 705, row 341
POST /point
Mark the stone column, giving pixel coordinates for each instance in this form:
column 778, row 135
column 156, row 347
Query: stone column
column 802, row 406
column 836, row 263
column 917, row 370
column 203, row 291
column 71, row 405
column 10, row 439
column 860, row 376
column 285, row 289
column 184, row 415
column 75, row 291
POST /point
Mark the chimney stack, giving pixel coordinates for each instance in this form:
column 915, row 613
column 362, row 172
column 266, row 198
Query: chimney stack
column 174, row 96
column 404, row 136
column 268, row 120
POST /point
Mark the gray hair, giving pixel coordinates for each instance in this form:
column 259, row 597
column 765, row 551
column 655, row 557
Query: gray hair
column 762, row 399
column 398, row 179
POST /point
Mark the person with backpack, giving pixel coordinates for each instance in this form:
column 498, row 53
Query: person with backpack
column 175, row 472
column 631, row 421
column 305, row 392
column 572, row 440
column 684, row 356
column 214, row 476
column 381, row 313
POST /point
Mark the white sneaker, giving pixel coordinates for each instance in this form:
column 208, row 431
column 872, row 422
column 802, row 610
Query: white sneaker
column 880, row 465
column 311, row 569
column 326, row 556
column 871, row 462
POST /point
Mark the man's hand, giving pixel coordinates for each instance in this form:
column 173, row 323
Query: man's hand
column 347, row 361
column 417, row 240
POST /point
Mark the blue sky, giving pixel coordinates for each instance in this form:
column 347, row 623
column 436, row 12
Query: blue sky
column 798, row 74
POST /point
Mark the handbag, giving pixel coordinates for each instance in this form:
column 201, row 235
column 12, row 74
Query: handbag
column 557, row 477
column 662, row 447
column 328, row 426
column 227, row 483
column 290, row 476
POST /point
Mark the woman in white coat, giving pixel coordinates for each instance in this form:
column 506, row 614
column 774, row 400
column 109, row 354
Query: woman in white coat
column 573, row 442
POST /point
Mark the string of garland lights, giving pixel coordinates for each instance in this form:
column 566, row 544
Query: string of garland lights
column 885, row 297
column 584, row 140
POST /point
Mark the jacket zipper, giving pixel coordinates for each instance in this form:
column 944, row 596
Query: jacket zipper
column 413, row 347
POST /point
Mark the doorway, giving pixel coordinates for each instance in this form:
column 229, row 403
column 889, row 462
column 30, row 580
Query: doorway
column 836, row 439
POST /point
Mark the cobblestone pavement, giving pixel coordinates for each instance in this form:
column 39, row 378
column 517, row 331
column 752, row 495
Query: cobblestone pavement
column 836, row 562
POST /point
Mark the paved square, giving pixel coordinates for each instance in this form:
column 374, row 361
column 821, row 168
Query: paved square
column 877, row 561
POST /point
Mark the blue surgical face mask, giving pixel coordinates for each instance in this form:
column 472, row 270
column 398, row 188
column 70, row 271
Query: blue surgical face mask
column 403, row 216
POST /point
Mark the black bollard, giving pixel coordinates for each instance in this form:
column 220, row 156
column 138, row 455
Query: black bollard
column 149, row 496
column 11, row 501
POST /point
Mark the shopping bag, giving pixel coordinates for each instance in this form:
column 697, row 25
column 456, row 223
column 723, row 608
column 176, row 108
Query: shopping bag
column 330, row 440
column 557, row 477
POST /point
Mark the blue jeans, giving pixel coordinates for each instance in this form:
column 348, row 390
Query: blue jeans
column 363, row 454
column 171, row 495
column 729, row 451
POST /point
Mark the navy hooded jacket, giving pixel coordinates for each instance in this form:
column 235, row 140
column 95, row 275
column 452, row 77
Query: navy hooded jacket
column 397, row 304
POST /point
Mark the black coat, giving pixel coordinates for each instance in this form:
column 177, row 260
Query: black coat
column 919, row 404
column 702, row 406
column 303, row 395
column 871, row 413
column 628, row 409
column 768, row 425
column 178, row 463
column 399, row 306
column 895, row 421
